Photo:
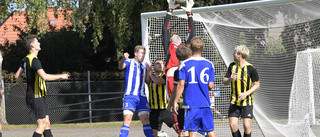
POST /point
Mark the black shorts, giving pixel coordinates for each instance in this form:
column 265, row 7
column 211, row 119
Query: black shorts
column 158, row 116
column 181, row 114
column 37, row 107
column 244, row 111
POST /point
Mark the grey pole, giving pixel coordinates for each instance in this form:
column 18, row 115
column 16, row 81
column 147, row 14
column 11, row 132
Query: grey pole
column 89, row 96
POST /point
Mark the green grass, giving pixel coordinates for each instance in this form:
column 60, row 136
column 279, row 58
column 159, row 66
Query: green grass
column 88, row 125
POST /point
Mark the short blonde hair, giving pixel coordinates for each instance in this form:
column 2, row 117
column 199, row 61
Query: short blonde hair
column 243, row 50
column 138, row 47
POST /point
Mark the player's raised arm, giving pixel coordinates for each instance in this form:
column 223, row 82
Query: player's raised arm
column 166, row 24
column 191, row 31
column 149, row 70
column 121, row 64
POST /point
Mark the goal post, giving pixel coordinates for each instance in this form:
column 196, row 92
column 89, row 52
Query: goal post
column 305, row 93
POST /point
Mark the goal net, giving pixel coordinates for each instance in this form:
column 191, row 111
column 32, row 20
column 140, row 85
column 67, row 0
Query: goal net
column 287, row 103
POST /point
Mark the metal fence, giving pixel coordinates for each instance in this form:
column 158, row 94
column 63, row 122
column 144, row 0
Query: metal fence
column 70, row 102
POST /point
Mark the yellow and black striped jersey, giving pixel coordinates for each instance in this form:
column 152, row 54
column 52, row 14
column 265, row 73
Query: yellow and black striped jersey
column 36, row 86
column 246, row 76
column 158, row 94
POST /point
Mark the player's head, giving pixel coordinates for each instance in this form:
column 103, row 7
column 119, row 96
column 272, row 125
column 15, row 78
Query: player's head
column 240, row 51
column 197, row 45
column 175, row 38
column 139, row 52
column 158, row 65
column 31, row 41
column 183, row 52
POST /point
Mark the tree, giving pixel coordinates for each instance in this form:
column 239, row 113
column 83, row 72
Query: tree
column 4, row 13
column 106, row 27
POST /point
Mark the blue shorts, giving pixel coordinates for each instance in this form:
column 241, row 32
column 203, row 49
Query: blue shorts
column 199, row 119
column 132, row 103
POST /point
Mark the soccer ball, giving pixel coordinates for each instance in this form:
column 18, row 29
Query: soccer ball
column 180, row 1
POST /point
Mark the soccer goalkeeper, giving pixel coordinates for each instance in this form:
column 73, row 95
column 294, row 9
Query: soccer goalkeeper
column 173, row 41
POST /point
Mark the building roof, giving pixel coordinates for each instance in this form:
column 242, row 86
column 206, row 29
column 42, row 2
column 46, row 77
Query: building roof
column 8, row 31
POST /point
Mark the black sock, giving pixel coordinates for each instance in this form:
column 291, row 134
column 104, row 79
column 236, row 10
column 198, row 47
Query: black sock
column 0, row 134
column 47, row 133
column 35, row 134
column 236, row 134
column 247, row 135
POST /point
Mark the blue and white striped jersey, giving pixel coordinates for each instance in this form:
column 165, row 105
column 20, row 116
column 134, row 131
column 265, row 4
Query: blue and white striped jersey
column 135, row 78
column 197, row 73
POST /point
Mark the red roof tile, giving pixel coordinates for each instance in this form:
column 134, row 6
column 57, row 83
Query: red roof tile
column 8, row 31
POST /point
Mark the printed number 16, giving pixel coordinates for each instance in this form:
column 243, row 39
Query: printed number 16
column 204, row 77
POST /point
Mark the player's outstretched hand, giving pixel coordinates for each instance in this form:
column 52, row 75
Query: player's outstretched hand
column 64, row 76
column 190, row 4
column 1, row 91
column 172, row 5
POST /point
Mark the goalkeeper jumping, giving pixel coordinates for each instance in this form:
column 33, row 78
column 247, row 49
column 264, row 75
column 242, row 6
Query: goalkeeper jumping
column 173, row 41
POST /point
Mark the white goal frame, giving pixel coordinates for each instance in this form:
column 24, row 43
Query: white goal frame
column 146, row 15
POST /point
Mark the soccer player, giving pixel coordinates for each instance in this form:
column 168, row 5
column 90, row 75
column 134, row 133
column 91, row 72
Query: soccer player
column 173, row 41
column 244, row 81
column 183, row 52
column 196, row 77
column 36, row 88
column 134, row 95
column 158, row 97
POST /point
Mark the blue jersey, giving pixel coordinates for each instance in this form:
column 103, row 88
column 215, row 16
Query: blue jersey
column 135, row 78
column 197, row 73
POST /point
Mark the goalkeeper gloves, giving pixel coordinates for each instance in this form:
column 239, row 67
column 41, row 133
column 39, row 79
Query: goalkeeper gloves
column 172, row 5
column 190, row 3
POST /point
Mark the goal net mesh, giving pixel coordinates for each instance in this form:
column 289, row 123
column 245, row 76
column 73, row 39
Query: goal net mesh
column 287, row 102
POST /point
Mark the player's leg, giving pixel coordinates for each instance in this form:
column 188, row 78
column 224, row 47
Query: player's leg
column 40, row 128
column 247, row 127
column 180, row 117
column 144, row 117
column 247, row 114
column 168, row 118
column 143, row 113
column 47, row 132
column 127, row 118
column 192, row 134
column 38, row 113
column 234, row 113
column 129, row 105
column 207, row 123
column 155, row 121
column 192, row 121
